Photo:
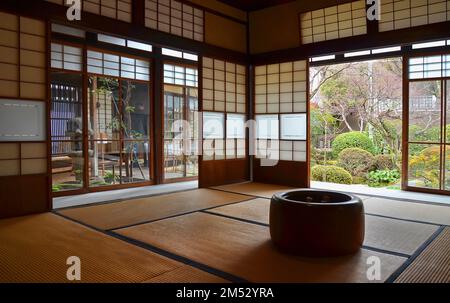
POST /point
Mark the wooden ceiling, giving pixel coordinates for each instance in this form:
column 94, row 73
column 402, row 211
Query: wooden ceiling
column 253, row 5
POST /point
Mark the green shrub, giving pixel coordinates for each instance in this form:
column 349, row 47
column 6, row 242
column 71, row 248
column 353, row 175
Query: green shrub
column 350, row 140
column 332, row 174
column 356, row 161
column 424, row 168
column 56, row 188
column 382, row 178
column 359, row 180
column 319, row 155
column 384, row 162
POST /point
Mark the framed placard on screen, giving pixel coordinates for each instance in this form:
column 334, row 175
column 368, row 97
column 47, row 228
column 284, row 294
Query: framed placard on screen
column 22, row 120
column 293, row 127
column 235, row 126
column 213, row 125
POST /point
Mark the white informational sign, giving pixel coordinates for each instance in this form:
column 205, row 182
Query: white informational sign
column 22, row 120
column 293, row 127
column 235, row 126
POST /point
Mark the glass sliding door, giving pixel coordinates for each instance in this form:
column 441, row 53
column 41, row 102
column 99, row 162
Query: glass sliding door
column 67, row 131
column 119, row 134
column 181, row 122
column 100, row 120
column 136, row 132
column 193, row 119
column 447, row 137
column 424, row 151
column 429, row 124
column 105, row 163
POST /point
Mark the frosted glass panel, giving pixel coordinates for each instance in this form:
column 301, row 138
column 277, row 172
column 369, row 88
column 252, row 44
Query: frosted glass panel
column 267, row 126
column 235, row 126
column 22, row 120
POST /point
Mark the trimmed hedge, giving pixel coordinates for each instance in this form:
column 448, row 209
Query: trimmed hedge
column 384, row 162
column 356, row 161
column 351, row 140
column 332, row 174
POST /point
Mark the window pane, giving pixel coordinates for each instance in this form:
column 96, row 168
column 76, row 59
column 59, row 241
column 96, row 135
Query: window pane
column 136, row 110
column 447, row 167
column 67, row 165
column 293, row 127
column 111, row 40
column 136, row 162
column 267, row 126
column 447, row 124
column 104, row 163
column 425, row 111
column 140, row 46
column 103, row 109
column 424, row 163
column 67, row 131
column 181, row 124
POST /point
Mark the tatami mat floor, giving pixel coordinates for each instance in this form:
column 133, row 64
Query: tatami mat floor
column 215, row 235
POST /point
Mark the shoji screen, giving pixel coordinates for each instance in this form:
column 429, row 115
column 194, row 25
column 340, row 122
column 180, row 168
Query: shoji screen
column 398, row 14
column 224, row 158
column 333, row 22
column 175, row 17
column 116, row 9
column 281, row 114
column 23, row 149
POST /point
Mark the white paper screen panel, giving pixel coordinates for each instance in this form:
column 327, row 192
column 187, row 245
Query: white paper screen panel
column 224, row 86
column 281, row 88
column 101, row 63
column 334, row 22
column 399, row 14
column 66, row 57
column 224, row 92
column 175, row 18
column 22, row 120
column 180, row 75
column 22, row 57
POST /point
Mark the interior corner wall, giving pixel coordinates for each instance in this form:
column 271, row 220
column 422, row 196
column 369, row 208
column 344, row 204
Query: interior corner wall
column 274, row 28
column 24, row 178
column 222, row 8
column 226, row 33
column 277, row 27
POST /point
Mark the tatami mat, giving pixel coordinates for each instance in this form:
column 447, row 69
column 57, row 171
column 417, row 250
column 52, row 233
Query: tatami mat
column 187, row 274
column 245, row 250
column 121, row 214
column 433, row 265
column 36, row 248
column 408, row 210
column 397, row 236
column 254, row 189
column 257, row 210
column 381, row 233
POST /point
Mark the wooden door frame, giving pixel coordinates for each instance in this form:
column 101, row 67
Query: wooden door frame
column 405, row 125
